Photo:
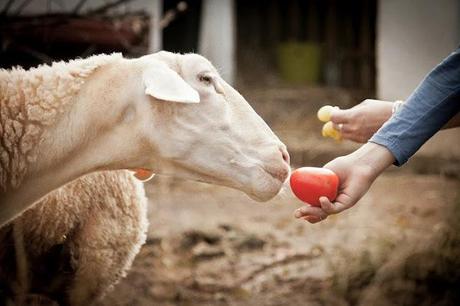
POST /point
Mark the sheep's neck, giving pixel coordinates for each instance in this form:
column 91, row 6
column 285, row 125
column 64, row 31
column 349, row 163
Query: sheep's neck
column 31, row 104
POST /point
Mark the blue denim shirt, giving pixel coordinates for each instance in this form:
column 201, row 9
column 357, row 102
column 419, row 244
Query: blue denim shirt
column 433, row 103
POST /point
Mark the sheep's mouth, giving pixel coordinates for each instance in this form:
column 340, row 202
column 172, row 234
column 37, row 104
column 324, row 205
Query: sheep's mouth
column 268, row 184
column 278, row 174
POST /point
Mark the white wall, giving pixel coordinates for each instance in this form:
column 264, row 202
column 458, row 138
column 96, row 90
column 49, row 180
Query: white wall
column 412, row 37
column 217, row 36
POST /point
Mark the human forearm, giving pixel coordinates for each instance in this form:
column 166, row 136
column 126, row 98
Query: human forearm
column 373, row 158
column 425, row 112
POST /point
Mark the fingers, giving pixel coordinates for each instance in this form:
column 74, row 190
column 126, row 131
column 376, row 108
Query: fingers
column 340, row 115
column 338, row 126
column 344, row 128
column 312, row 219
column 347, row 131
column 331, row 208
column 309, row 210
column 310, row 213
column 314, row 214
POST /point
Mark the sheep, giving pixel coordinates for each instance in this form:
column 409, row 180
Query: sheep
column 163, row 113
column 75, row 254
column 106, row 112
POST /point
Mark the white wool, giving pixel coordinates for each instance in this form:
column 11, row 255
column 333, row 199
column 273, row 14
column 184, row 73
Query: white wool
column 32, row 99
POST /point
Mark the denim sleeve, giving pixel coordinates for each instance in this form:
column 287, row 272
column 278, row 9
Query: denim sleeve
column 433, row 103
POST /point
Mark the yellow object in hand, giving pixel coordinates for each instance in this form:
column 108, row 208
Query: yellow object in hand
column 329, row 131
column 324, row 113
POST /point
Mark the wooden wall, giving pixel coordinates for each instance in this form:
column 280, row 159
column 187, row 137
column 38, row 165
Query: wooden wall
column 345, row 30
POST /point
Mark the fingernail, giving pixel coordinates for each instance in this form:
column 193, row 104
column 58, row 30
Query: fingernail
column 298, row 214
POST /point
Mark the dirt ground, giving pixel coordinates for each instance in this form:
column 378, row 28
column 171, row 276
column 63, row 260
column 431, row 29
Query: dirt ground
column 218, row 247
column 210, row 245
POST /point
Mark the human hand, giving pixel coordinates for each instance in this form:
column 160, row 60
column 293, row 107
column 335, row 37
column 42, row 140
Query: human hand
column 356, row 171
column 360, row 122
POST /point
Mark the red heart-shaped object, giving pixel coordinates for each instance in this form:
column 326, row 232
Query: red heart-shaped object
column 311, row 183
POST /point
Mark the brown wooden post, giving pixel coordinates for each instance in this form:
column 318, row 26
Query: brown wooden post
column 331, row 62
column 294, row 20
column 347, row 47
column 365, row 46
column 312, row 21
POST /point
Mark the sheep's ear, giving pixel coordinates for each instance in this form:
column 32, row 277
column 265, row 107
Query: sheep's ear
column 163, row 83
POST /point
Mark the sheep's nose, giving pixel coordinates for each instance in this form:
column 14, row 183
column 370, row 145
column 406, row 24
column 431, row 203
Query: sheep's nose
column 276, row 161
column 285, row 154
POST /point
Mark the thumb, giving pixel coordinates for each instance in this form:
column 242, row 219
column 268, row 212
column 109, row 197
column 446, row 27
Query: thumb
column 340, row 115
column 352, row 191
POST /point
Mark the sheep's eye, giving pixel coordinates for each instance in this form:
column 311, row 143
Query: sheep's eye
column 205, row 79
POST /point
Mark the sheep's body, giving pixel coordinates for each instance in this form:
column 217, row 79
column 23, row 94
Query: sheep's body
column 81, row 238
column 67, row 120
column 76, row 252
column 32, row 100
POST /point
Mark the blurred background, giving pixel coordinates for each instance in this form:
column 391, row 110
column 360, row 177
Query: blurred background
column 399, row 246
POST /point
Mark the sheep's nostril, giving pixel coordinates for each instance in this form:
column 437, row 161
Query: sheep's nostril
column 285, row 155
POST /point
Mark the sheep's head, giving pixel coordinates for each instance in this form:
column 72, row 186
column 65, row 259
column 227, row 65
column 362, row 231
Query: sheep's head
column 200, row 128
